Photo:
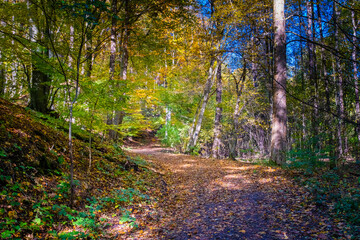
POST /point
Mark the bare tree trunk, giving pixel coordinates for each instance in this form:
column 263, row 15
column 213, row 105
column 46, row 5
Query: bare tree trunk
column 339, row 83
column 39, row 86
column 192, row 128
column 269, row 80
column 109, row 121
column 206, row 96
column 2, row 69
column 325, row 79
column 303, row 132
column 167, row 120
column 234, row 136
column 356, row 83
column 323, row 71
column 2, row 76
column 40, row 90
column 124, row 62
column 338, row 137
column 233, row 142
column 254, row 63
column 312, row 67
column 89, row 54
column 218, row 115
column 303, row 87
column 77, row 79
column 278, row 134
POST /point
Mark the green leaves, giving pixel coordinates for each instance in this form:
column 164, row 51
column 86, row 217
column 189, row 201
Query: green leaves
column 7, row 234
column 126, row 217
column 90, row 11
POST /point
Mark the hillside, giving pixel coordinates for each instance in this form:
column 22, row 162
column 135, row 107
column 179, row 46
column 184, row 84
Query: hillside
column 34, row 181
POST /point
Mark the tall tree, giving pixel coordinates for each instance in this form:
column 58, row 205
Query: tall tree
column 206, row 96
column 310, row 31
column 113, row 46
column 40, row 79
column 356, row 79
column 338, row 77
column 218, row 115
column 279, row 118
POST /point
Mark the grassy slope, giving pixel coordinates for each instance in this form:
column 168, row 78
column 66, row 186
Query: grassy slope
column 34, row 173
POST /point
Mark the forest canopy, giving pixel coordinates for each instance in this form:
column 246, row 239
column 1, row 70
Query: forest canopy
column 102, row 102
column 205, row 75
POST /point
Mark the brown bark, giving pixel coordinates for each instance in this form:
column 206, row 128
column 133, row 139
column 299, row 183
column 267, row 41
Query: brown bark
column 2, row 69
column 278, row 134
column 2, row 77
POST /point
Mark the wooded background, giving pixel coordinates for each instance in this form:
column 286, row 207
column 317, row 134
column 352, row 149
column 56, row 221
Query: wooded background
column 206, row 75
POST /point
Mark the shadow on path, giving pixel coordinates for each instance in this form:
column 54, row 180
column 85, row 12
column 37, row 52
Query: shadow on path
column 224, row 199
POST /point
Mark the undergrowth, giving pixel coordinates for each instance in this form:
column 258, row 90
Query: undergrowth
column 34, row 181
column 333, row 189
column 38, row 206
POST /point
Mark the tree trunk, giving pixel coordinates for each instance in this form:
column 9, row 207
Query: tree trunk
column 356, row 83
column 167, row 120
column 120, row 114
column 303, row 88
column 2, row 69
column 2, row 76
column 40, row 89
column 234, row 136
column 278, row 134
column 89, row 54
column 254, row 63
column 124, row 62
column 40, row 81
column 218, row 115
column 112, row 133
column 312, row 67
column 192, row 128
column 325, row 79
column 206, row 96
column 71, row 107
column 323, row 71
column 339, row 82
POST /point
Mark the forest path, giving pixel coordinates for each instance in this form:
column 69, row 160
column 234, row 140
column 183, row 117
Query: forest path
column 224, row 199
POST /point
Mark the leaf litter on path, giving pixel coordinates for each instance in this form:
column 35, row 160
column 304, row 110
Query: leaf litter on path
column 224, row 199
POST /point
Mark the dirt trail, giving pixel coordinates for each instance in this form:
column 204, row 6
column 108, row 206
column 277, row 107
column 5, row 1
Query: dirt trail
column 224, row 199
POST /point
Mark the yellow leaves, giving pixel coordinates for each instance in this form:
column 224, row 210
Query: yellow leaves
column 12, row 214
